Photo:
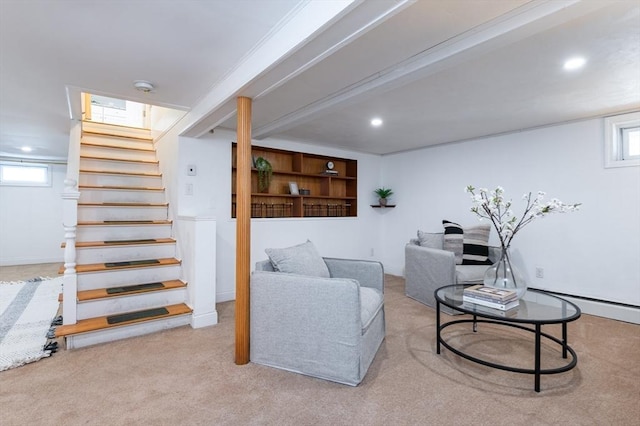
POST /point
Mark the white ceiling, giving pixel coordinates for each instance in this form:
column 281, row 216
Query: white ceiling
column 435, row 71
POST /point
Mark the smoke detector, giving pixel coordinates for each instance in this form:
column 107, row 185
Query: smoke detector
column 143, row 86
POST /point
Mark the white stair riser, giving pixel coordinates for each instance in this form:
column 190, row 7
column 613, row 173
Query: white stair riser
column 93, row 213
column 120, row 253
column 129, row 276
column 120, row 196
column 116, row 153
column 118, row 333
column 122, row 232
column 117, row 166
column 96, row 179
column 117, row 142
column 130, row 303
column 114, row 130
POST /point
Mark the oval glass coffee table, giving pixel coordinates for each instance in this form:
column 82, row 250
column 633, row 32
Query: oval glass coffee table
column 536, row 309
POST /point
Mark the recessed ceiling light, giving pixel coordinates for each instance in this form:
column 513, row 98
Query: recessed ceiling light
column 574, row 63
column 26, row 149
column 376, row 122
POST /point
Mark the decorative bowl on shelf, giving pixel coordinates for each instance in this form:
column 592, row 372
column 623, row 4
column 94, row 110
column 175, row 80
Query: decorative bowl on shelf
column 305, row 191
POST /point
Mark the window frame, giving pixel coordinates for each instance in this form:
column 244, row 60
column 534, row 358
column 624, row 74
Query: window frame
column 48, row 174
column 614, row 127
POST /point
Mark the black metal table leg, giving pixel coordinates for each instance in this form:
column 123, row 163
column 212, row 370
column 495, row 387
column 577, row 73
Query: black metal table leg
column 537, row 359
column 564, row 340
column 438, row 327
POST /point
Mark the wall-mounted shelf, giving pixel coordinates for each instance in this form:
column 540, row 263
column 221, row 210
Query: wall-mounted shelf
column 331, row 195
column 378, row 206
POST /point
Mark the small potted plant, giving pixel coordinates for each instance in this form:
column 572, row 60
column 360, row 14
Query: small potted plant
column 265, row 171
column 383, row 193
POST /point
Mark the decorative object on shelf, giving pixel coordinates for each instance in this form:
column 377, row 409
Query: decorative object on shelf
column 383, row 193
column 293, row 188
column 492, row 205
column 265, row 172
column 304, row 191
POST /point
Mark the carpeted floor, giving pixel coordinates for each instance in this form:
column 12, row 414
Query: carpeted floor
column 188, row 377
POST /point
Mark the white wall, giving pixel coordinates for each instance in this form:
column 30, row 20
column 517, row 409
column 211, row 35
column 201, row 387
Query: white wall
column 594, row 252
column 31, row 222
column 337, row 237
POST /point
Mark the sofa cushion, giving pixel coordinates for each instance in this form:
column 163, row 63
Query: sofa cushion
column 370, row 303
column 302, row 259
column 470, row 274
column 453, row 239
column 475, row 250
column 430, row 239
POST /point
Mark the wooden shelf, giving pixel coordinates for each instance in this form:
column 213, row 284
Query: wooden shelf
column 331, row 195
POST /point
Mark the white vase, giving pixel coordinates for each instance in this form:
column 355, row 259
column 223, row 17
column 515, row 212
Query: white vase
column 505, row 275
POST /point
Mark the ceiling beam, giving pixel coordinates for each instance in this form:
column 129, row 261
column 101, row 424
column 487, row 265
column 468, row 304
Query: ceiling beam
column 424, row 63
column 295, row 29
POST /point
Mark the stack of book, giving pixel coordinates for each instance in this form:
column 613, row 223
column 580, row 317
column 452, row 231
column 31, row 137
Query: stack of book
column 490, row 297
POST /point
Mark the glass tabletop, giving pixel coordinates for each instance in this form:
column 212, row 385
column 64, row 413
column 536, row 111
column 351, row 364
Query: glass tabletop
column 534, row 307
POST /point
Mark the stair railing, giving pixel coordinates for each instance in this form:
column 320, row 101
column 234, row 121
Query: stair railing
column 70, row 198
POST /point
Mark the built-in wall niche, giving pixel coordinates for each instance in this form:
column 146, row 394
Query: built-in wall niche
column 326, row 186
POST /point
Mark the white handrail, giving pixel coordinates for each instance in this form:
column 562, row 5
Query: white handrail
column 70, row 198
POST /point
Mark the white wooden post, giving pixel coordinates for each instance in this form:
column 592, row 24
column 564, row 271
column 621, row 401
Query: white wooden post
column 70, row 198
column 197, row 239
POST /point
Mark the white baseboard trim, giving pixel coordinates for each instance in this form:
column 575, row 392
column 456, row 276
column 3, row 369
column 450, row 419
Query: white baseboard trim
column 606, row 310
column 225, row 296
column 204, row 320
column 602, row 308
column 29, row 261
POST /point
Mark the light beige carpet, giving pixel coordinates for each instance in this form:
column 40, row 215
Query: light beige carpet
column 188, row 377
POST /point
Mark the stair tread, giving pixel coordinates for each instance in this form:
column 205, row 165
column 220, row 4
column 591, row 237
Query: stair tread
column 101, row 323
column 101, row 267
column 109, row 172
column 128, row 148
column 102, row 293
column 127, row 204
column 126, row 222
column 108, row 243
column 116, row 187
column 115, row 135
column 127, row 160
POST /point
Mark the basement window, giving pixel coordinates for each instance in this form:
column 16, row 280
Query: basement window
column 622, row 140
column 25, row 174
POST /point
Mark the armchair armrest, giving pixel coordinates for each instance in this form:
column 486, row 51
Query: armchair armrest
column 426, row 269
column 368, row 273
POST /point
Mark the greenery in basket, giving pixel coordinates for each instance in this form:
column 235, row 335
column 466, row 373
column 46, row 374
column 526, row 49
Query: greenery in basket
column 265, row 171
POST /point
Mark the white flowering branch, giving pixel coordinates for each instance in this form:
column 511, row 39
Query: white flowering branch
column 492, row 205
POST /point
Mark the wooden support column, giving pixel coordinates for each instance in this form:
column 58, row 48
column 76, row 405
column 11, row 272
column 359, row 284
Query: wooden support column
column 243, row 229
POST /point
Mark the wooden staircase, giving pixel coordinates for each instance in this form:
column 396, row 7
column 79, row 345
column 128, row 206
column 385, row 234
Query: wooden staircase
column 128, row 277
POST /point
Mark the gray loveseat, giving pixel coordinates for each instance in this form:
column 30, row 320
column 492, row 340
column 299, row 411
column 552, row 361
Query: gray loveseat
column 428, row 267
column 329, row 328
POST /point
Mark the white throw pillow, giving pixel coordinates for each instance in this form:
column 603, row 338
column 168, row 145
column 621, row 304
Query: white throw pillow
column 302, row 259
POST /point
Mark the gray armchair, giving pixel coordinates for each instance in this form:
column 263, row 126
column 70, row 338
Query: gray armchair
column 429, row 267
column 330, row 328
